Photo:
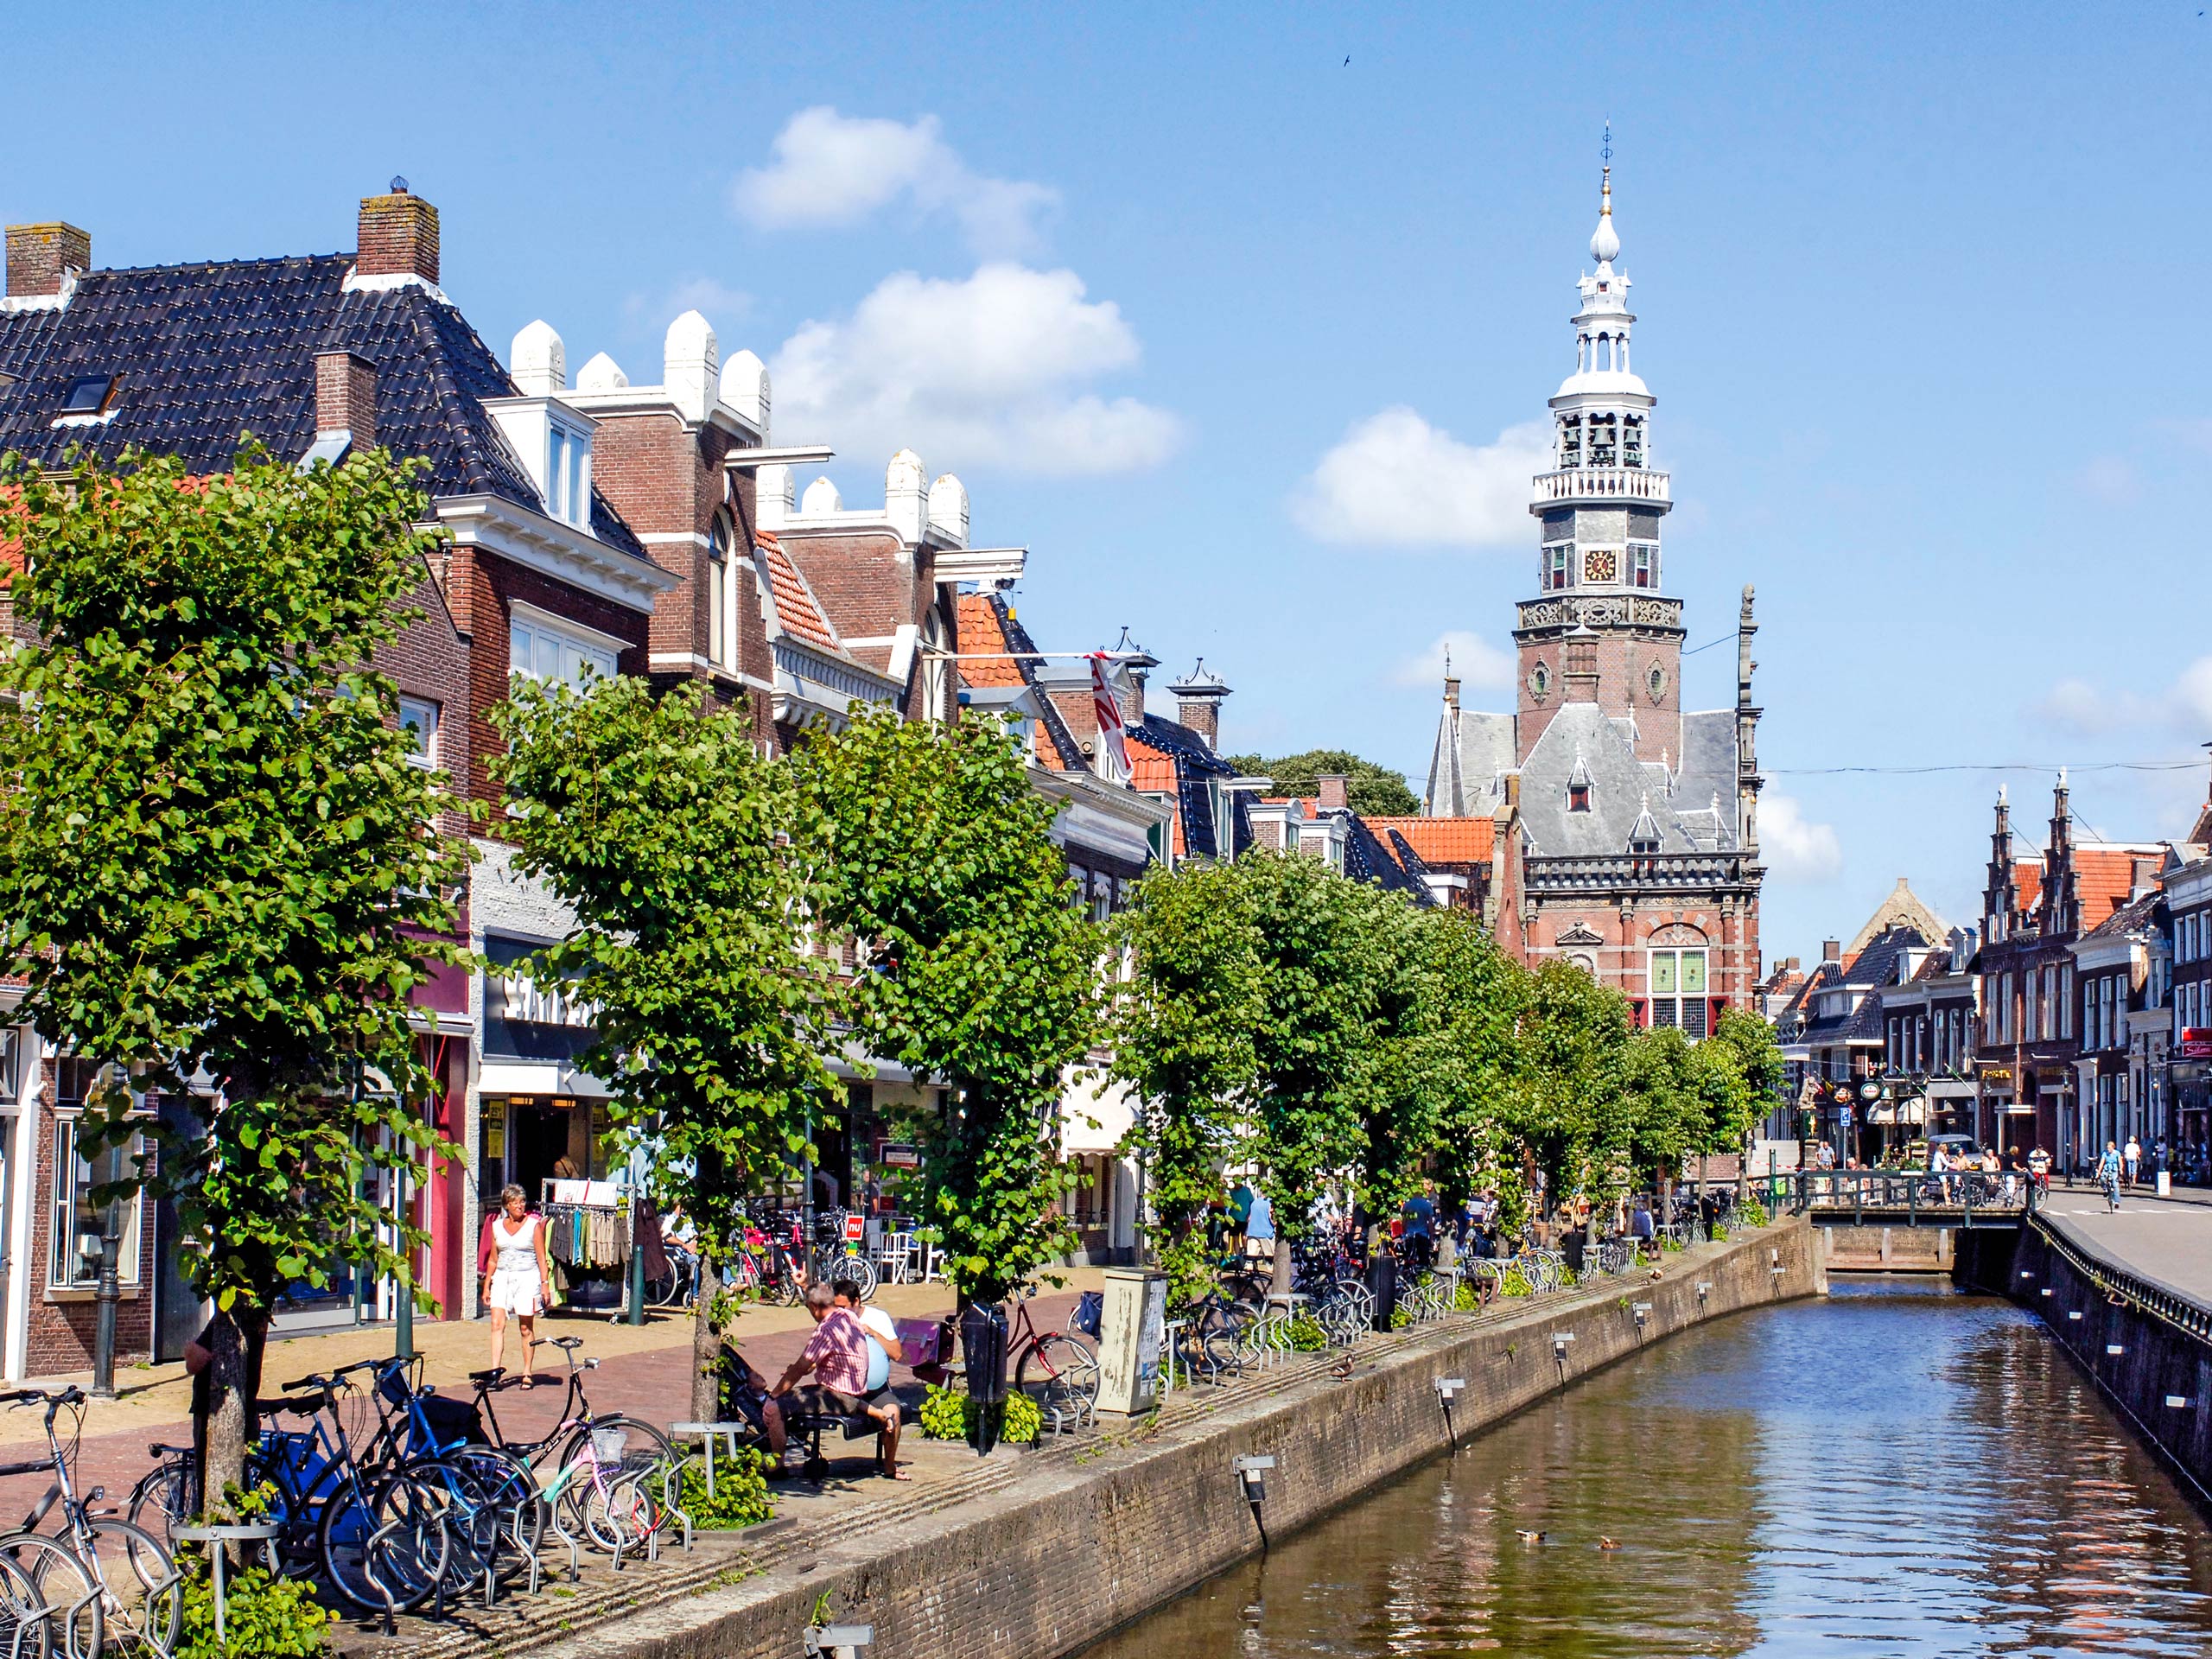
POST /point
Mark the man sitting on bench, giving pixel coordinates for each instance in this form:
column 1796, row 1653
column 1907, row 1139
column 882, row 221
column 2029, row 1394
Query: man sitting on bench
column 837, row 1355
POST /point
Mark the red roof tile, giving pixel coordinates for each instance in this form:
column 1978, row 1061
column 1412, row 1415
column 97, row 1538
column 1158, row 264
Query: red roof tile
column 2027, row 881
column 1439, row 841
column 795, row 606
column 2103, row 877
column 980, row 633
column 1152, row 771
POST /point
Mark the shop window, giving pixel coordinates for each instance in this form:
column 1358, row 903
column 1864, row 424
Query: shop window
column 73, row 1244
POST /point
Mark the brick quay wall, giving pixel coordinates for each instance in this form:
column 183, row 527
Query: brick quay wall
column 2093, row 1305
column 1081, row 1541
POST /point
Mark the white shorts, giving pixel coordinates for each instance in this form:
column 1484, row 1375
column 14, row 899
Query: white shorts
column 516, row 1292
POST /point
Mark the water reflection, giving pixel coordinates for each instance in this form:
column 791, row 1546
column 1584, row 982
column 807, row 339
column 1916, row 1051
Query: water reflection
column 1895, row 1472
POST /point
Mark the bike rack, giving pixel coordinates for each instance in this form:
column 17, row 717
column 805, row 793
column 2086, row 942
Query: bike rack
column 261, row 1533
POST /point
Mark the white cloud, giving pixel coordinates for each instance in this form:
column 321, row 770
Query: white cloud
column 2076, row 706
column 1794, row 847
column 833, row 169
column 710, row 296
column 1473, row 658
column 2111, row 478
column 994, row 369
column 1394, row 479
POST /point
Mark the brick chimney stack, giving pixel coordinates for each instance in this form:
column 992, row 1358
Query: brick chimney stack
column 1197, row 703
column 345, row 396
column 399, row 236
column 1335, row 789
column 41, row 256
column 1832, row 951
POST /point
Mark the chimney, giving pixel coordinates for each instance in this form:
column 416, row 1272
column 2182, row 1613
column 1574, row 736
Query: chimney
column 1136, row 662
column 1832, row 951
column 1795, row 966
column 399, row 236
column 1197, row 703
column 1335, row 789
column 1452, row 691
column 345, row 396
column 40, row 257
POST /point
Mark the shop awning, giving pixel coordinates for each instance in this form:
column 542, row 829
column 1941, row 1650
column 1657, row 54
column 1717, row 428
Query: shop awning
column 1898, row 1111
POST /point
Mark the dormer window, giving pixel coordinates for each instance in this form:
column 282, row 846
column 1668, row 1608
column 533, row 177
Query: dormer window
column 1578, row 798
column 568, row 472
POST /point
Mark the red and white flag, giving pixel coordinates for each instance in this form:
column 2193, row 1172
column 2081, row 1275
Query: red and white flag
column 1113, row 741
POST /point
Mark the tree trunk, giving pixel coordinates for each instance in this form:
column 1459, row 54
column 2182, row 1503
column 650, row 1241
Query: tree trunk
column 239, row 1339
column 706, row 1346
column 1280, row 1282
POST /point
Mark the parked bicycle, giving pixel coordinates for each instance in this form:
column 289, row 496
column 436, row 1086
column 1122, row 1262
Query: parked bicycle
column 1054, row 1367
column 114, row 1587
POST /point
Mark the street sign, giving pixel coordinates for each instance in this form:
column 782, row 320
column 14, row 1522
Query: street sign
column 1845, row 1112
column 856, row 1228
column 900, row 1154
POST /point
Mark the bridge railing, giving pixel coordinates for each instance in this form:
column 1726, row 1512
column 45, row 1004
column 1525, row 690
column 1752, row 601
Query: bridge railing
column 1958, row 1197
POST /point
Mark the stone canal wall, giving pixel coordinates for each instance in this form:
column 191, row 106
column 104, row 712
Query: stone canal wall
column 2148, row 1348
column 1079, row 1544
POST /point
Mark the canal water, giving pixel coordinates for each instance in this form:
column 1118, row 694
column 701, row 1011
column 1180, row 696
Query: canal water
column 1898, row 1471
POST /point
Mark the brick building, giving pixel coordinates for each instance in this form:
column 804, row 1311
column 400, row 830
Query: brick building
column 2036, row 905
column 1625, row 827
column 316, row 356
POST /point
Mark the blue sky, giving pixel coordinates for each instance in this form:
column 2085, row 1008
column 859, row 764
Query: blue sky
column 1917, row 291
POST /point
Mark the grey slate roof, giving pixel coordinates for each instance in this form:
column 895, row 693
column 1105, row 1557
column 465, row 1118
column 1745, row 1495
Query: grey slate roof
column 209, row 352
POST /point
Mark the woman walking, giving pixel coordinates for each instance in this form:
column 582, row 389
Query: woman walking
column 517, row 1274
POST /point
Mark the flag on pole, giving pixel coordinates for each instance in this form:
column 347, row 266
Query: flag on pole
column 1113, row 742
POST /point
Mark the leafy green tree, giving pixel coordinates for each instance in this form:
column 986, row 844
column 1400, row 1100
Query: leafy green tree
column 934, row 853
column 665, row 829
column 1320, row 954
column 1571, row 1104
column 1746, row 1044
column 1370, row 788
column 217, row 858
column 1667, row 1080
column 1412, row 1071
column 1183, row 1035
column 1481, row 994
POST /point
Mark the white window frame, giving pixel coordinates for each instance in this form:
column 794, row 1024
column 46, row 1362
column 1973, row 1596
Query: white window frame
column 1674, row 1003
column 602, row 650
column 72, row 1175
column 427, row 713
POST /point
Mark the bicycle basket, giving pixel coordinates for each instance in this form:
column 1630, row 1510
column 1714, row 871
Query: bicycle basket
column 608, row 1444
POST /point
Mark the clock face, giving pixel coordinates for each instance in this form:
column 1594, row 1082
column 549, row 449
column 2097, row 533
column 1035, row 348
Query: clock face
column 1600, row 564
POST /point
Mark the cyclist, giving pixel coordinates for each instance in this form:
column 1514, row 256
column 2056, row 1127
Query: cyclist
column 2108, row 1174
column 2039, row 1171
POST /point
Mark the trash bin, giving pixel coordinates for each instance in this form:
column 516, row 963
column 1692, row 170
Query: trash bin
column 982, row 1352
column 1572, row 1248
column 1383, row 1282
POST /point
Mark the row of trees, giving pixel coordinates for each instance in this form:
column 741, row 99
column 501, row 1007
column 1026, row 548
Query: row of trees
column 1327, row 1032
column 221, row 877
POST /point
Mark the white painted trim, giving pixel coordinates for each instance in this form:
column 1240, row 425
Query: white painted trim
column 672, row 539
column 564, row 552
column 851, row 640
column 12, row 303
column 23, row 1152
column 556, row 623
column 388, row 281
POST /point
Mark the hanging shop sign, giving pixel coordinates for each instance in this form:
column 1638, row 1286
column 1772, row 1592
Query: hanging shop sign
column 2196, row 1043
column 901, row 1154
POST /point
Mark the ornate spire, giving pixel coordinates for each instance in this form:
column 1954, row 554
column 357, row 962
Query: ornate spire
column 1605, row 241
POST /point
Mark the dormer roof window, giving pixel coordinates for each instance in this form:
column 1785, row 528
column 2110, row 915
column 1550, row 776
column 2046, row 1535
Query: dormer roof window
column 89, row 401
column 568, row 472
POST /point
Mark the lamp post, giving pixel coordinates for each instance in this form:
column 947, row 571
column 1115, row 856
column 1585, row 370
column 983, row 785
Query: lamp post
column 109, row 1294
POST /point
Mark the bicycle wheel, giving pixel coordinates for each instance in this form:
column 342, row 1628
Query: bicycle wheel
column 1058, row 1369
column 162, row 1500
column 642, row 1456
column 78, row 1625
column 24, row 1630
column 472, row 1522
column 862, row 1272
column 510, row 1490
column 393, row 1536
column 142, row 1598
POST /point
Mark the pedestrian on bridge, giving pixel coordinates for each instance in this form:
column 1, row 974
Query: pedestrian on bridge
column 2134, row 1154
column 2039, row 1171
column 2108, row 1169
